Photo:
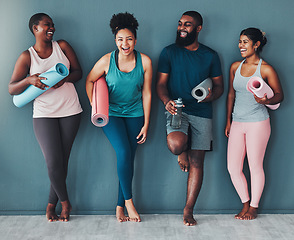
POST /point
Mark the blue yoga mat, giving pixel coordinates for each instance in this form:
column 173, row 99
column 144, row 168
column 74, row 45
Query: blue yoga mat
column 53, row 75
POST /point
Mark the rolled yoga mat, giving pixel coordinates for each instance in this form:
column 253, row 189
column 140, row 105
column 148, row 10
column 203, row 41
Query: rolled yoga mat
column 200, row 92
column 259, row 87
column 53, row 75
column 100, row 103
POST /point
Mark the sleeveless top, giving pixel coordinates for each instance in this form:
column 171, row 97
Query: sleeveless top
column 125, row 89
column 246, row 109
column 59, row 102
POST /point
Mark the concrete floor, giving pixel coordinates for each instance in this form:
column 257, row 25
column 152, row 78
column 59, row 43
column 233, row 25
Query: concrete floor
column 159, row 227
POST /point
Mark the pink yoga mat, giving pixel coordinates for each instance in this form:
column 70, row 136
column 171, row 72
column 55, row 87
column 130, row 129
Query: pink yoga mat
column 100, row 103
column 259, row 87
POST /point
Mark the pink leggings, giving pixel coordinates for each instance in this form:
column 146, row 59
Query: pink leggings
column 250, row 138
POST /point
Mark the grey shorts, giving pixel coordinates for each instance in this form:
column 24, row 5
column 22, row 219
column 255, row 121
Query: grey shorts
column 201, row 130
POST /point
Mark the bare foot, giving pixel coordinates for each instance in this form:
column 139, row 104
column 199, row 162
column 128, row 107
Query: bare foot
column 188, row 218
column 66, row 209
column 183, row 161
column 243, row 211
column 50, row 213
column 120, row 214
column 251, row 214
column 132, row 212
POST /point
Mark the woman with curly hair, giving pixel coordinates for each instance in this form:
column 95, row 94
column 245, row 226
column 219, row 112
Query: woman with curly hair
column 248, row 124
column 129, row 77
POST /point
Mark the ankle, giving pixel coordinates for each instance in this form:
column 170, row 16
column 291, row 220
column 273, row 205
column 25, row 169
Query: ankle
column 129, row 202
column 66, row 205
column 188, row 209
column 51, row 207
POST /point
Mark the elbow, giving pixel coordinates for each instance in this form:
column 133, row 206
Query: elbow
column 10, row 90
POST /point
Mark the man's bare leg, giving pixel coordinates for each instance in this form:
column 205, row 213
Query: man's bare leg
column 177, row 144
column 195, row 178
column 183, row 161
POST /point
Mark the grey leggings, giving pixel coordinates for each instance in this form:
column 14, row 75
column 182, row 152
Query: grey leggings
column 56, row 136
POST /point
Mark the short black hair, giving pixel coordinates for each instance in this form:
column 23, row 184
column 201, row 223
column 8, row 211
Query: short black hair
column 255, row 35
column 196, row 16
column 124, row 20
column 35, row 19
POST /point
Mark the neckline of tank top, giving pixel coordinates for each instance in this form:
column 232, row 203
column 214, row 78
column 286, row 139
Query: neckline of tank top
column 41, row 57
column 116, row 61
column 240, row 68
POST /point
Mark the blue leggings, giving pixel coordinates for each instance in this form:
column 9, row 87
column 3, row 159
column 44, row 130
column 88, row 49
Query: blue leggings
column 122, row 133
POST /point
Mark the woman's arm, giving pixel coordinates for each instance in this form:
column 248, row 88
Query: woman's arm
column 269, row 73
column 146, row 97
column 75, row 71
column 20, row 80
column 231, row 98
column 99, row 69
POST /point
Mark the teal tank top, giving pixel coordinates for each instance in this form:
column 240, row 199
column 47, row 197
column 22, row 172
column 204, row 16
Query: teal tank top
column 125, row 89
column 246, row 109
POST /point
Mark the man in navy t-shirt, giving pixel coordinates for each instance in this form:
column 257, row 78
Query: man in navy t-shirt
column 181, row 67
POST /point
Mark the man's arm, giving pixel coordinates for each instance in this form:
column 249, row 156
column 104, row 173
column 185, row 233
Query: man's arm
column 162, row 92
column 217, row 89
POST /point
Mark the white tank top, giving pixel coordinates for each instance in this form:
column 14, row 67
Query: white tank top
column 59, row 102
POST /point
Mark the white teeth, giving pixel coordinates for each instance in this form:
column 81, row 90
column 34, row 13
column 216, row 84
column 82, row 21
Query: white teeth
column 50, row 32
column 183, row 34
column 242, row 50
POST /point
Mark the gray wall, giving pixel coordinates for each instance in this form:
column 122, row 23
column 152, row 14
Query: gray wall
column 159, row 185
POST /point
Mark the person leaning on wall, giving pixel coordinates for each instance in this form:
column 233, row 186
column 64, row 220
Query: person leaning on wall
column 57, row 112
column 181, row 67
column 129, row 77
column 248, row 123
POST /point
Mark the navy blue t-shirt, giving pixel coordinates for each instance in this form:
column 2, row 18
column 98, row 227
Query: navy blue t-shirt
column 186, row 70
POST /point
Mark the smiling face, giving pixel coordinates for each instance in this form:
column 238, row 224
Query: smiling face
column 246, row 46
column 45, row 29
column 187, row 31
column 125, row 41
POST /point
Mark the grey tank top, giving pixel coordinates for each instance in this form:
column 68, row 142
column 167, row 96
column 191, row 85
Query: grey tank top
column 246, row 109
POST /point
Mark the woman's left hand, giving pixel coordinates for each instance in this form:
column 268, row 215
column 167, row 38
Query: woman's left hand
column 263, row 100
column 142, row 135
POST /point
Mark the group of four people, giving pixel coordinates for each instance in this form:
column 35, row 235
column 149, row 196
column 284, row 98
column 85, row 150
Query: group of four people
column 128, row 73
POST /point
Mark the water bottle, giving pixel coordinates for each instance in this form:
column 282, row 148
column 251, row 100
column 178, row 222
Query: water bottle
column 176, row 118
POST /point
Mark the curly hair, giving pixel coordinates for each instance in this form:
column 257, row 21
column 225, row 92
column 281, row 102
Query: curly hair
column 124, row 20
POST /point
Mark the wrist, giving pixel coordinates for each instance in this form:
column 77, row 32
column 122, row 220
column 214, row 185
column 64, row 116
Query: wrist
column 166, row 102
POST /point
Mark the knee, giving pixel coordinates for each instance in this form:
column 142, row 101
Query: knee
column 234, row 171
column 256, row 169
column 123, row 157
column 176, row 147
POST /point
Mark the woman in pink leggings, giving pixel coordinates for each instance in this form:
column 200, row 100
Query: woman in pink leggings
column 248, row 125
